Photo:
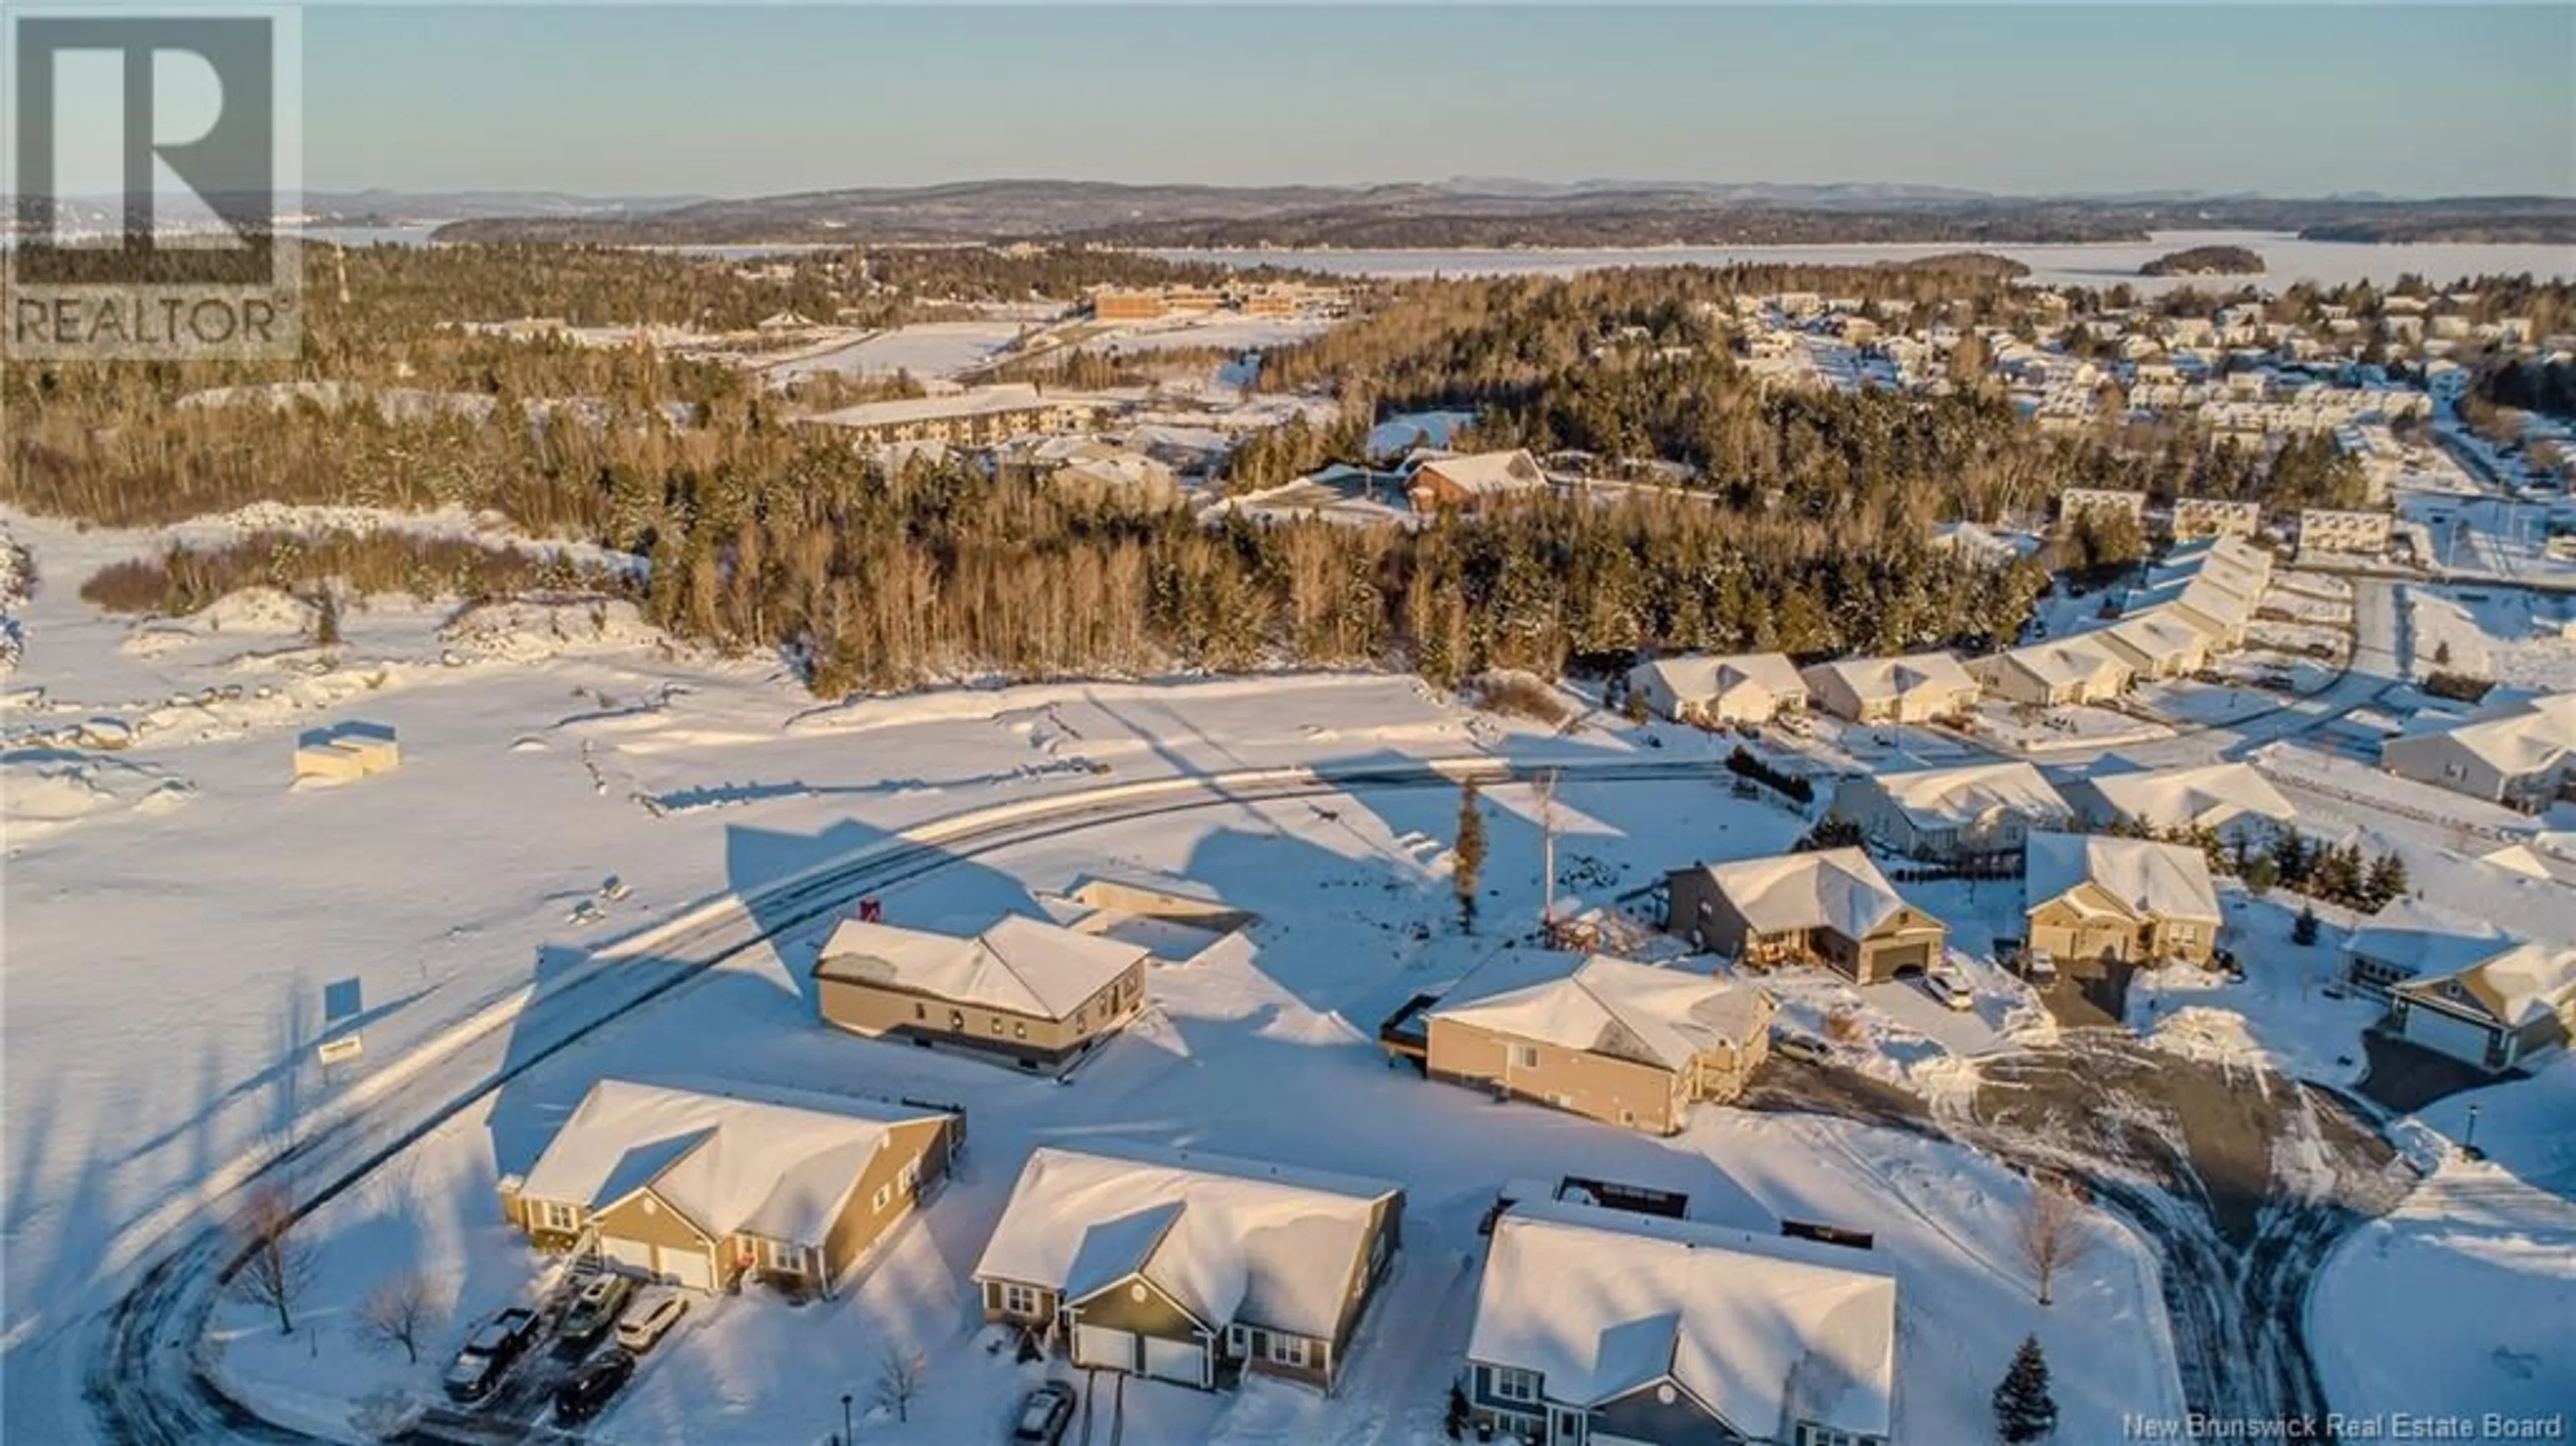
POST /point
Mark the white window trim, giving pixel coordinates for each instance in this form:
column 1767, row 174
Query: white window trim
column 1515, row 1385
column 1019, row 1299
column 1524, row 1056
column 1288, row 1350
column 884, row 1197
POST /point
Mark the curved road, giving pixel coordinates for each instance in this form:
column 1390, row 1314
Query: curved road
column 144, row 1379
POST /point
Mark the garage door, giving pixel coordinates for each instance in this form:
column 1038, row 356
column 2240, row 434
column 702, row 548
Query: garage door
column 633, row 1254
column 2455, row 1037
column 1183, row 1361
column 1101, row 1346
column 692, row 1268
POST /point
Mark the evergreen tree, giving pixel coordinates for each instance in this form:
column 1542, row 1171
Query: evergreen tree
column 2304, row 930
column 2024, row 1411
column 2387, row 880
column 1467, row 858
column 1453, row 1422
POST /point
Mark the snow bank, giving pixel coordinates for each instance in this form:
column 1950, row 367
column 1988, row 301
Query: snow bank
column 48, row 792
column 532, row 630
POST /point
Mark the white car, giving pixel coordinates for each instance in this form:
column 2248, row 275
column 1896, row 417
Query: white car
column 1949, row 988
column 653, row 1312
column 2040, row 966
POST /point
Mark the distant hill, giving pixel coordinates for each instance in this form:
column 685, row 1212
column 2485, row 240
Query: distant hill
column 1482, row 213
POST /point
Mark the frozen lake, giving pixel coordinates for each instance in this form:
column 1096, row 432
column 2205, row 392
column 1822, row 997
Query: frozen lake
column 2287, row 258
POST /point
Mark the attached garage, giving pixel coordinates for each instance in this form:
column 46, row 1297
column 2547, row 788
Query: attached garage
column 692, row 1268
column 1113, row 1350
column 633, row 1254
column 1182, row 1361
column 2456, row 1037
column 1887, row 961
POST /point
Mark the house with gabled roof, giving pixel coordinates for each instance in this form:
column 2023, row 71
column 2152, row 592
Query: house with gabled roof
column 1742, row 688
column 701, row 1189
column 2520, row 752
column 2232, row 800
column 1915, row 688
column 1187, row 1266
column 1467, row 482
column 2156, row 643
column 1599, row 1326
column 2054, row 673
column 1831, row 907
column 1628, row 1044
column 1975, row 810
column 2495, row 1013
column 2134, row 900
column 1027, row 993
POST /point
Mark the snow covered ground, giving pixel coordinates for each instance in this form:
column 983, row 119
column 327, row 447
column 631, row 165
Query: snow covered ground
column 2514, row 636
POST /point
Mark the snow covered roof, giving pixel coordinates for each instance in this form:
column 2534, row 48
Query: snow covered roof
column 2069, row 661
column 2548, row 854
column 731, row 1165
column 1953, row 797
column 2519, row 736
column 1982, row 543
column 1878, row 679
column 1639, row 1012
column 2150, row 879
column 2420, row 939
column 2519, row 986
column 1487, row 472
column 1837, row 889
column 1228, row 1239
column 2156, row 633
column 1601, row 1302
column 1020, row 964
column 2210, row 795
column 1698, row 675
column 2198, row 592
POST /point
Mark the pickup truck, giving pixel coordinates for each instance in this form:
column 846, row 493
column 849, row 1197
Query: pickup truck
column 488, row 1353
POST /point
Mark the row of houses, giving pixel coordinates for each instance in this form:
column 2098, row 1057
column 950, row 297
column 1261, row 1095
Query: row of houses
column 2518, row 750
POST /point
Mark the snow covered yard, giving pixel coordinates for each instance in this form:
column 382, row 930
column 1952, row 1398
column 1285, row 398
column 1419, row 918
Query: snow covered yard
column 2457, row 1303
column 2512, row 636
column 1263, row 1049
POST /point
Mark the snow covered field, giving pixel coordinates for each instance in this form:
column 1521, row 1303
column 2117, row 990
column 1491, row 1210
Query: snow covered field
column 2512, row 636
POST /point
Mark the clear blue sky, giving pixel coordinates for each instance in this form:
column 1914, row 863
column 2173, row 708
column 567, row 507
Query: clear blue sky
column 2287, row 99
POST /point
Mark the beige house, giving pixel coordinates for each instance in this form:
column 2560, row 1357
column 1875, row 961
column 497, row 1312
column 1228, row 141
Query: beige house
column 1626, row 1044
column 2217, row 611
column 1831, row 907
column 2077, row 502
column 1916, row 688
column 2216, row 517
column 1745, row 688
column 2156, row 644
column 1464, row 483
column 2231, row 800
column 1186, row 1266
column 1024, row 992
column 2521, row 753
column 2098, row 897
column 2058, row 673
column 2329, row 530
column 703, row 1189
column 1979, row 810
column 1597, row 1326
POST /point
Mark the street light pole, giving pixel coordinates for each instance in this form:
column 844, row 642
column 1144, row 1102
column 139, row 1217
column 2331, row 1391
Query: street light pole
column 848, row 1437
column 2469, row 1140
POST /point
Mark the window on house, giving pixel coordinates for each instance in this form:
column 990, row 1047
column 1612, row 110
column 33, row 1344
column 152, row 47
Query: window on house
column 885, row 1194
column 1513, row 1384
column 1525, row 1056
column 1019, row 1030
column 1019, row 1300
column 909, row 1176
column 957, row 1020
column 920, row 1011
column 554, row 1215
column 1082, row 1017
column 1287, row 1350
column 997, row 1024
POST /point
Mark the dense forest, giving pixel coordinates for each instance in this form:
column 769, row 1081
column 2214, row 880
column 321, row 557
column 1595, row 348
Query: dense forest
column 1803, row 528
column 2206, row 261
column 2533, row 386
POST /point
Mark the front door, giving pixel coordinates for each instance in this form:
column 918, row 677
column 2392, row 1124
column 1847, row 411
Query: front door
column 1565, row 1426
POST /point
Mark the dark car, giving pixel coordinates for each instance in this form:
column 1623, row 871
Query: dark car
column 595, row 1309
column 1043, row 1415
column 585, row 1391
column 488, row 1353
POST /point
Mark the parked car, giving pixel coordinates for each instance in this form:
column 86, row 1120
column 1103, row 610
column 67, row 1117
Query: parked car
column 595, row 1309
column 1947, row 987
column 654, row 1310
column 2040, row 966
column 1803, row 1047
column 488, row 1353
column 1044, row 1413
column 587, row 1390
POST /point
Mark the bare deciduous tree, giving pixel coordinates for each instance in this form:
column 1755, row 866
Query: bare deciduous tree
column 277, row 1265
column 900, row 1376
column 399, row 1311
column 2052, row 1233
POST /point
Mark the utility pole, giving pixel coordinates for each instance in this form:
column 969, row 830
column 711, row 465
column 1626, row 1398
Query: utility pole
column 1547, row 854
